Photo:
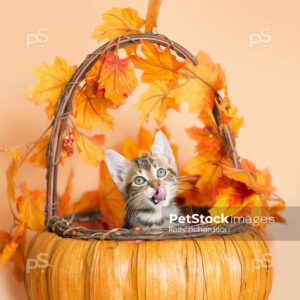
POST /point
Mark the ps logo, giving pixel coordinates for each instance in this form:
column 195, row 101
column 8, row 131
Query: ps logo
column 263, row 37
column 40, row 38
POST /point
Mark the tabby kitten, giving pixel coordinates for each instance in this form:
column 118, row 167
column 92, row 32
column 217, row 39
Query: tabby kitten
column 148, row 184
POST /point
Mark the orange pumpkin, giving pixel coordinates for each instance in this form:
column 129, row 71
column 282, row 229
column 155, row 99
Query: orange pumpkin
column 231, row 267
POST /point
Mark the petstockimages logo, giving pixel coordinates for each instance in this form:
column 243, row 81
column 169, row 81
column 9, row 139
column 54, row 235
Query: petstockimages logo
column 196, row 218
column 220, row 219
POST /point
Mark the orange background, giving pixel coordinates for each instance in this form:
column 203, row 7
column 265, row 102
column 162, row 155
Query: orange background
column 262, row 80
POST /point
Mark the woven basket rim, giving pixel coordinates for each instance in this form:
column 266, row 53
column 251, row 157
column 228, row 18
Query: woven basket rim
column 64, row 228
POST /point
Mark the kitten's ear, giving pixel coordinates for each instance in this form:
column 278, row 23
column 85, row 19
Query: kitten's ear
column 161, row 147
column 117, row 166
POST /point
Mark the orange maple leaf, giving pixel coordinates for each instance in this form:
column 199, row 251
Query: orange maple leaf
column 92, row 110
column 232, row 197
column 88, row 201
column 89, row 152
column 133, row 149
column 51, row 82
column 158, row 65
column 208, row 141
column 254, row 179
column 111, row 202
column 30, row 207
column 204, row 80
column 117, row 78
column 65, row 199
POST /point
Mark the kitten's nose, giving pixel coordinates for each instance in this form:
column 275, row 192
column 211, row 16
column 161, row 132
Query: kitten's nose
column 161, row 192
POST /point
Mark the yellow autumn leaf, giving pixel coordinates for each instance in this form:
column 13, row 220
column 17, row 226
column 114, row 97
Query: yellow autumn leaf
column 204, row 79
column 111, row 202
column 117, row 78
column 88, row 151
column 118, row 21
column 92, row 111
column 157, row 65
column 12, row 172
column 31, row 207
column 10, row 243
column 156, row 101
column 51, row 82
column 209, row 173
column 38, row 154
column 8, row 252
column 65, row 198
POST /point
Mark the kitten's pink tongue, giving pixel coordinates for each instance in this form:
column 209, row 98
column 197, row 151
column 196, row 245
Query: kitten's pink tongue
column 161, row 193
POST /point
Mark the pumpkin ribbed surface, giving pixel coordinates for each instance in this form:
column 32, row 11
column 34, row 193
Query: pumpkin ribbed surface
column 225, row 267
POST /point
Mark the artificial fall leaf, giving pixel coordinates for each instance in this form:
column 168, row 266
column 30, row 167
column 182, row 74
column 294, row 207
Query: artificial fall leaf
column 30, row 207
column 232, row 197
column 4, row 238
column 274, row 210
column 51, row 82
column 204, row 166
column 64, row 200
column 92, row 111
column 38, row 155
column 188, row 193
column 232, row 119
column 11, row 243
column 94, row 72
column 88, row 151
column 18, row 259
column 152, row 14
column 8, row 252
column 254, row 179
column 117, row 78
column 132, row 149
column 98, row 139
column 203, row 80
column 236, row 122
column 156, row 101
column 208, row 141
column 107, row 198
column 118, row 21
column 12, row 172
column 111, row 202
column 88, row 201
column 157, row 65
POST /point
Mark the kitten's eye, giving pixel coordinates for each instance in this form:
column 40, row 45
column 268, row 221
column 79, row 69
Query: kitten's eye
column 161, row 173
column 139, row 180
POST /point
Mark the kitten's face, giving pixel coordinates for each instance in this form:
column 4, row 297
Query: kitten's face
column 149, row 181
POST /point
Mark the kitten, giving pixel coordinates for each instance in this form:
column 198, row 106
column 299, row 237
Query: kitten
column 148, row 184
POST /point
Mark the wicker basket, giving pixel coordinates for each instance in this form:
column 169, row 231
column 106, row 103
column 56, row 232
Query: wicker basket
column 227, row 275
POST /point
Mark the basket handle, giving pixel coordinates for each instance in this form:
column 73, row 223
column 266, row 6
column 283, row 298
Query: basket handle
column 65, row 101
